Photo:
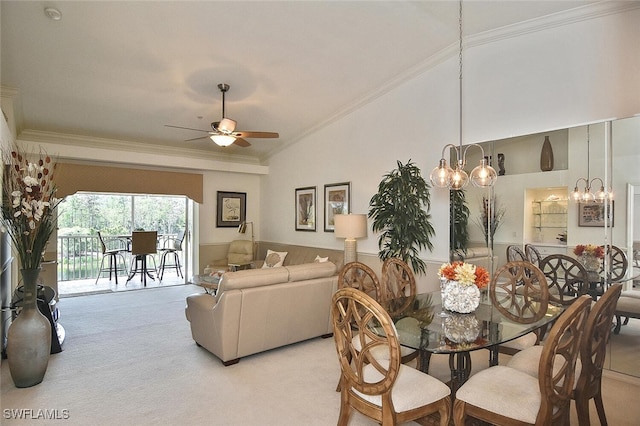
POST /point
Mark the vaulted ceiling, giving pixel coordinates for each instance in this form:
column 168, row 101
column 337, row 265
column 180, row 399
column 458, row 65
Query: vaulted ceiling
column 122, row 70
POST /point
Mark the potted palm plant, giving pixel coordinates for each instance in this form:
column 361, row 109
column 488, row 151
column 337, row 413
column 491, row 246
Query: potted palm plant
column 400, row 212
column 28, row 206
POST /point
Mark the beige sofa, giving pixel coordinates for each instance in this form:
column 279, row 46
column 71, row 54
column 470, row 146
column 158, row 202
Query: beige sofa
column 256, row 310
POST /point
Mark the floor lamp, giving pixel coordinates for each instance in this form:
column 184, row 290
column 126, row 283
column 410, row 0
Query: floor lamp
column 242, row 228
column 350, row 227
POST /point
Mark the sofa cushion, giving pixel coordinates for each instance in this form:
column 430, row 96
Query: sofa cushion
column 253, row 278
column 309, row 271
column 274, row 259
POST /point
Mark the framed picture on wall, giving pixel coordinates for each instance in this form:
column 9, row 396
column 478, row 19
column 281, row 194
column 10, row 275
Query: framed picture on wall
column 337, row 200
column 306, row 209
column 592, row 214
column 231, row 209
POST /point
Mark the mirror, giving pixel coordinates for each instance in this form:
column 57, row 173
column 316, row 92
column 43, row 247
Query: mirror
column 537, row 208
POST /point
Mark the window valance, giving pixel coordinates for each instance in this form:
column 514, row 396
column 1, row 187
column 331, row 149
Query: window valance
column 71, row 178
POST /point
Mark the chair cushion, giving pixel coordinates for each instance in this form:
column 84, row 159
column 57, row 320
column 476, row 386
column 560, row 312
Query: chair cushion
column 522, row 342
column 528, row 362
column 513, row 393
column 403, row 394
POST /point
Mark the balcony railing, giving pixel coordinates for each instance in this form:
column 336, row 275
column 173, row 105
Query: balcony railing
column 79, row 256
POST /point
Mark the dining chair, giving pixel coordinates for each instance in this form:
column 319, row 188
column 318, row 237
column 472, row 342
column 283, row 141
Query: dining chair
column 171, row 246
column 112, row 255
column 360, row 276
column 593, row 351
column 566, row 277
column 380, row 388
column 519, row 290
column 144, row 245
column 398, row 284
column 533, row 254
column 502, row 395
column 618, row 263
column 515, row 253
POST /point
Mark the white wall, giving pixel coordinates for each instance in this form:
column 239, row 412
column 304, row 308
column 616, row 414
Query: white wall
column 558, row 77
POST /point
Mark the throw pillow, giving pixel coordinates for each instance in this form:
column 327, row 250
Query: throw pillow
column 274, row 258
column 321, row 259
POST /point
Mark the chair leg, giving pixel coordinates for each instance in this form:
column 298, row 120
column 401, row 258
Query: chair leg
column 600, row 409
column 582, row 409
column 100, row 270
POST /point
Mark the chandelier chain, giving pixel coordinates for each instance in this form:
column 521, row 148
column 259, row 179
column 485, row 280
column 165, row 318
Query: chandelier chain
column 460, row 68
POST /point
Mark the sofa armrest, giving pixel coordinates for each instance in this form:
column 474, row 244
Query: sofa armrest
column 215, row 322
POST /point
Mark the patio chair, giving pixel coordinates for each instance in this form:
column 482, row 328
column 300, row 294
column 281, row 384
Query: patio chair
column 112, row 255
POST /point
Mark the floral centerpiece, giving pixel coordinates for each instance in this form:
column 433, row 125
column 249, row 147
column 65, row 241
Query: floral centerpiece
column 460, row 285
column 28, row 206
column 590, row 256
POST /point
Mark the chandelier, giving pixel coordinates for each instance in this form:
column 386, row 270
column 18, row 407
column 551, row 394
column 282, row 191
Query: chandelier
column 456, row 178
column 585, row 195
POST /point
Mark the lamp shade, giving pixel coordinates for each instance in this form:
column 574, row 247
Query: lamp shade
column 350, row 225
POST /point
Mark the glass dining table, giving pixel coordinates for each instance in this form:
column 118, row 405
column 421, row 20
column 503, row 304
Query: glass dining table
column 423, row 325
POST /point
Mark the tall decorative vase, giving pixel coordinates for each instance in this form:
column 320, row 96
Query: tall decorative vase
column 546, row 155
column 29, row 337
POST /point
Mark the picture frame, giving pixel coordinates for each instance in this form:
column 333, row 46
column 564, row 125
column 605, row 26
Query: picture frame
column 337, row 200
column 592, row 215
column 231, row 209
column 305, row 205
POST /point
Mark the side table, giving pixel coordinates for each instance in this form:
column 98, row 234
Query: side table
column 240, row 266
column 208, row 282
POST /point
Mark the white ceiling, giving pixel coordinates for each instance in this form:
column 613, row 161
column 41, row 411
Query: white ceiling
column 124, row 69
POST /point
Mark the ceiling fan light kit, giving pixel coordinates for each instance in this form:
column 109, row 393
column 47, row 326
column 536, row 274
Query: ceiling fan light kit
column 223, row 132
column 223, row 140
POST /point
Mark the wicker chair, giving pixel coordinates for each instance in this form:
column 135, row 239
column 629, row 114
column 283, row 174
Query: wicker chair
column 380, row 388
column 502, row 395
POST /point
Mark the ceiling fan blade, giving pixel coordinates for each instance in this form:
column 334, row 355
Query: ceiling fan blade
column 247, row 134
column 241, row 142
column 196, row 139
column 186, row 128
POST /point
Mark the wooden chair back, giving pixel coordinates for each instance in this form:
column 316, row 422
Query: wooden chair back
column 515, row 253
column 593, row 351
column 370, row 371
column 533, row 254
column 566, row 277
column 398, row 285
column 144, row 242
column 558, row 361
column 519, row 291
column 359, row 276
column 618, row 263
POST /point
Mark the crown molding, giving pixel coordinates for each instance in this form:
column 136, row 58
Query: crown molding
column 79, row 147
column 555, row 20
column 559, row 19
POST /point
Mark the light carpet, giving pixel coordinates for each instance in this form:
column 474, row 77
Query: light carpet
column 129, row 359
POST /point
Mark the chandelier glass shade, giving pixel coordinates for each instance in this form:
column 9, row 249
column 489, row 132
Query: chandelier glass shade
column 456, row 178
column 443, row 176
column 586, row 195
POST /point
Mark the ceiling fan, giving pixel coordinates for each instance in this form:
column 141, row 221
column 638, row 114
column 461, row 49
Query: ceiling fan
column 224, row 132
